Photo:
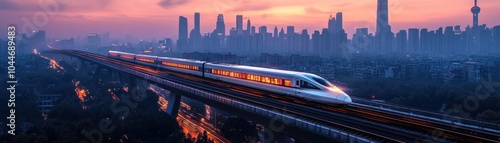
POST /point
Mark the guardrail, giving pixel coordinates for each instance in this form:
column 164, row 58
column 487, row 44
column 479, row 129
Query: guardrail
column 443, row 118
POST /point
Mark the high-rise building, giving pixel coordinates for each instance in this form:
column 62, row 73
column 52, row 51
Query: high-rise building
column 197, row 22
column 263, row 30
column 275, row 34
column 331, row 24
column 338, row 22
column 413, row 39
column 249, row 24
column 475, row 14
column 195, row 40
column 448, row 40
column 425, row 40
column 93, row 40
column 183, row 28
column 401, row 41
column 282, row 33
column 239, row 24
column 382, row 17
column 252, row 31
column 220, row 26
column 317, row 42
column 361, row 39
column 438, row 40
column 290, row 30
column 182, row 42
column 326, row 38
column 496, row 39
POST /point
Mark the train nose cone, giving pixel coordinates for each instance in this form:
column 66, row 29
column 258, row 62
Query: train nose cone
column 347, row 99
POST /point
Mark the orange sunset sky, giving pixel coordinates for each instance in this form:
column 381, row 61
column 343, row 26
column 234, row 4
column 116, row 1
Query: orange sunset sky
column 159, row 18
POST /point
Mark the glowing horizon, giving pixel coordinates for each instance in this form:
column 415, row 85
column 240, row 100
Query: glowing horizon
column 159, row 18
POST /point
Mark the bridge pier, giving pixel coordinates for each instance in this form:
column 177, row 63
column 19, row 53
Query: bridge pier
column 174, row 101
column 121, row 78
column 83, row 68
column 271, row 136
column 95, row 77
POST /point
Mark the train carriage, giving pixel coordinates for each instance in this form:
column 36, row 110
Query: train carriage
column 298, row 84
column 122, row 55
column 146, row 60
column 193, row 67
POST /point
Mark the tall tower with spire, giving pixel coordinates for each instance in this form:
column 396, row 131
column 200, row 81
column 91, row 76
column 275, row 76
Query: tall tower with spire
column 382, row 17
column 475, row 14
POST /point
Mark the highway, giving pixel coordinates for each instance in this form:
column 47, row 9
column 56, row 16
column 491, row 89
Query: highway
column 378, row 125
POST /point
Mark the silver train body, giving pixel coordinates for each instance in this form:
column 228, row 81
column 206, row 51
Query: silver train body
column 288, row 83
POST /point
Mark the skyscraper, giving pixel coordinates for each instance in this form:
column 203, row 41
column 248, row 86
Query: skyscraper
column 197, row 22
column 382, row 17
column 425, row 41
column 413, row 39
column 239, row 24
column 496, row 39
column 195, row 35
column 331, row 24
column 275, row 34
column 290, row 30
column 252, row 31
column 183, row 33
column 475, row 14
column 338, row 22
column 249, row 25
column 220, row 26
column 183, row 28
column 263, row 30
column 401, row 41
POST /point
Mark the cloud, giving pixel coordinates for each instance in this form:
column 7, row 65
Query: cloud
column 13, row 5
column 87, row 5
column 245, row 8
column 7, row 5
column 313, row 10
column 172, row 3
column 73, row 16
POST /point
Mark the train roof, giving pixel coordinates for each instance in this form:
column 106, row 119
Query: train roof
column 180, row 59
column 266, row 70
column 151, row 56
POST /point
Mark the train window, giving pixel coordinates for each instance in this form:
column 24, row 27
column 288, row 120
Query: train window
column 146, row 60
column 183, row 66
column 127, row 57
column 322, row 82
column 288, row 83
column 257, row 78
column 305, row 84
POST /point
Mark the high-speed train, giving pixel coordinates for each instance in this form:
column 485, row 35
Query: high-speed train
column 288, row 83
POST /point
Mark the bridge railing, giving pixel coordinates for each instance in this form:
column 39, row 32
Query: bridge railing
column 443, row 118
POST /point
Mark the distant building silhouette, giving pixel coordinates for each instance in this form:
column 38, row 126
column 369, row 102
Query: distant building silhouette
column 338, row 23
column 93, row 41
column 413, row 39
column 475, row 14
column 382, row 17
column 402, row 41
column 195, row 35
column 249, row 25
column 331, row 24
column 239, row 24
column 183, row 34
column 220, row 26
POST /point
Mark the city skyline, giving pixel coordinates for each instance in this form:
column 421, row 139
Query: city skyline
column 315, row 14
